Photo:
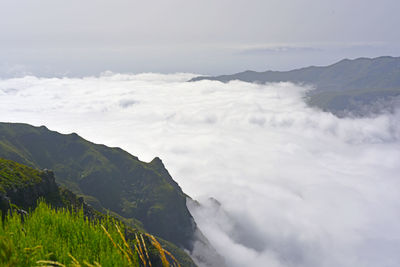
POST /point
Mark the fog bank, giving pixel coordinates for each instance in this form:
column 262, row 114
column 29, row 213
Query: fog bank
column 294, row 186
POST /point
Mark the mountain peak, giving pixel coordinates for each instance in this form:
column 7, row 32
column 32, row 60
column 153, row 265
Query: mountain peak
column 157, row 162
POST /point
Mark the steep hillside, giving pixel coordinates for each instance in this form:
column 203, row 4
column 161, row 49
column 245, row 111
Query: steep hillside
column 108, row 178
column 53, row 234
column 360, row 86
column 23, row 186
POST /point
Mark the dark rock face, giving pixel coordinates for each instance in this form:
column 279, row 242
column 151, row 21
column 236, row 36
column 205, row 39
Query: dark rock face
column 22, row 187
column 4, row 204
column 26, row 197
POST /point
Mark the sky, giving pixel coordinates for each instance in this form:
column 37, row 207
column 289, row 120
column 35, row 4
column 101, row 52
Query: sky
column 297, row 187
column 80, row 38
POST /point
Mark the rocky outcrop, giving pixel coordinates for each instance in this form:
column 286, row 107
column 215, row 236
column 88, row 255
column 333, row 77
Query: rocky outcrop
column 27, row 196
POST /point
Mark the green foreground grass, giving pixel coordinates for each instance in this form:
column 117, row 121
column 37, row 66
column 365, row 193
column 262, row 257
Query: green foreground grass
column 49, row 237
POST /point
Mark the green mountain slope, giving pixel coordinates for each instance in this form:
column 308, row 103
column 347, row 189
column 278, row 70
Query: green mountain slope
column 108, row 178
column 46, row 234
column 357, row 86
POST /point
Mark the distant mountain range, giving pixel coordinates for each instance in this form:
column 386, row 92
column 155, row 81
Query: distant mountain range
column 358, row 87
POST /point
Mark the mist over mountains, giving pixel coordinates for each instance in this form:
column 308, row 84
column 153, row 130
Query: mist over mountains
column 200, row 133
column 293, row 185
column 359, row 87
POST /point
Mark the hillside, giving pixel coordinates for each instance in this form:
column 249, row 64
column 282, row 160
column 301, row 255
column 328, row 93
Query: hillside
column 107, row 178
column 23, row 186
column 44, row 234
column 360, row 86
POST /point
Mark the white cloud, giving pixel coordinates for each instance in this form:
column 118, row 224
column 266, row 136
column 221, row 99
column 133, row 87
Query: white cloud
column 298, row 187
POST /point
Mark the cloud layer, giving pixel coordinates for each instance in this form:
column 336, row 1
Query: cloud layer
column 295, row 186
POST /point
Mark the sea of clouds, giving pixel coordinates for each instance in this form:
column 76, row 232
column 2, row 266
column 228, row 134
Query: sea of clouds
column 291, row 185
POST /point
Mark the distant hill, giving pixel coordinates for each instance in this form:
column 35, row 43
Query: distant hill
column 107, row 178
column 359, row 87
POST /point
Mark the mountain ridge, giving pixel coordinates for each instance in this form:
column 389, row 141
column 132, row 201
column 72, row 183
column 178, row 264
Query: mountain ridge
column 295, row 75
column 356, row 87
column 108, row 178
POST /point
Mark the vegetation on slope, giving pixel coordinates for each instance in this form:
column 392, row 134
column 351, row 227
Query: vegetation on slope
column 24, row 185
column 49, row 235
column 17, row 175
column 108, row 178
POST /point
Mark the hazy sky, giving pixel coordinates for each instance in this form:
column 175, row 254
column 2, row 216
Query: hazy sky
column 50, row 37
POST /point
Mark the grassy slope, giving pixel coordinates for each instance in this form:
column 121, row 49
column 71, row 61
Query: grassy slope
column 109, row 178
column 15, row 181
column 52, row 235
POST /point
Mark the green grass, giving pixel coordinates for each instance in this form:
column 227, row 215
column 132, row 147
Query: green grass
column 50, row 237
column 63, row 237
